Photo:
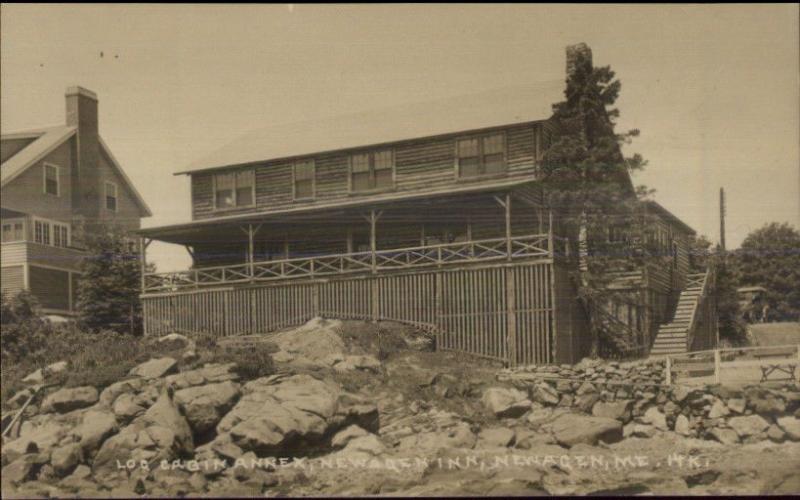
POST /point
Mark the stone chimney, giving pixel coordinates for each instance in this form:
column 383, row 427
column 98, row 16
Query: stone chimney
column 577, row 55
column 82, row 113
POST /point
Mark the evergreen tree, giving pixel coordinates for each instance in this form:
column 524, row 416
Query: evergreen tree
column 109, row 287
column 587, row 179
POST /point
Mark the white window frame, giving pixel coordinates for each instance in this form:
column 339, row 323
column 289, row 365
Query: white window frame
column 480, row 137
column 313, row 180
column 235, row 205
column 11, row 223
column 57, row 168
column 371, row 154
column 51, row 232
column 116, row 196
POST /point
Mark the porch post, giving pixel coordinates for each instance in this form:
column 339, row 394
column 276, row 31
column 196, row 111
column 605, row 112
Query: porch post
column 550, row 234
column 250, row 258
column 509, row 249
column 143, row 259
column 373, row 240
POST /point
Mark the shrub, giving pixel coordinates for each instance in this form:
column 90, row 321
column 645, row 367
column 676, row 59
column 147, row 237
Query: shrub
column 252, row 362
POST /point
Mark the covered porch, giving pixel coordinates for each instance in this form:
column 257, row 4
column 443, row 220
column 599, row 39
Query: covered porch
column 364, row 238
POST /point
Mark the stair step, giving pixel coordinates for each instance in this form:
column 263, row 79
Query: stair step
column 673, row 328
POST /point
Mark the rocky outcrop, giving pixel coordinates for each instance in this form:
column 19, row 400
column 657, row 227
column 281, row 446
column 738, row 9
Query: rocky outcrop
column 205, row 405
column 570, row 429
column 293, row 414
column 69, row 399
column 155, row 368
column 506, row 403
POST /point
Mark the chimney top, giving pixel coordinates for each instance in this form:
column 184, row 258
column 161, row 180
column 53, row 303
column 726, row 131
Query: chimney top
column 77, row 90
column 577, row 53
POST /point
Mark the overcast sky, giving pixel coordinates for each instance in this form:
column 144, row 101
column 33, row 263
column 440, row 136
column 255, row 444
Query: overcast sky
column 713, row 88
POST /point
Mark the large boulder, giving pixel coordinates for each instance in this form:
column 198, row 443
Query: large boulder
column 654, row 417
column 544, row 393
column 69, row 399
column 750, row 425
column 498, row 437
column 617, row 410
column 212, row 373
column 205, row 405
column 293, row 414
column 506, row 403
column 162, row 433
column 94, row 429
column 155, row 368
column 791, row 426
column 570, row 429
column 66, row 458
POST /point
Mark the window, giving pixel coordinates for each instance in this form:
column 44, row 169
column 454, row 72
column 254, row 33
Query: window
column 111, row 196
column 41, row 232
column 371, row 171
column 483, row 155
column 60, row 235
column 304, row 179
column 13, row 231
column 51, row 179
column 234, row 189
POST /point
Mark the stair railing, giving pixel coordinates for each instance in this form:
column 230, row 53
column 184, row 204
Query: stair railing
column 701, row 298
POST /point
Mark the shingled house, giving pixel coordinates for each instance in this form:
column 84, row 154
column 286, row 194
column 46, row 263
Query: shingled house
column 57, row 183
column 430, row 214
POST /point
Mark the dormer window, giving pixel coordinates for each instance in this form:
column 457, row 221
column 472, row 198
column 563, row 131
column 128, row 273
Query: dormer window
column 51, row 180
column 371, row 171
column 111, row 196
column 304, row 180
column 481, row 155
column 235, row 189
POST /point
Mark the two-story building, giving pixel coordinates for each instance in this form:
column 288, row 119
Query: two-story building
column 431, row 214
column 58, row 183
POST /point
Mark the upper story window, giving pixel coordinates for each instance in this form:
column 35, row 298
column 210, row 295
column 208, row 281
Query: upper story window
column 111, row 196
column 371, row 171
column 235, row 189
column 51, row 180
column 304, row 179
column 482, row 155
column 13, row 231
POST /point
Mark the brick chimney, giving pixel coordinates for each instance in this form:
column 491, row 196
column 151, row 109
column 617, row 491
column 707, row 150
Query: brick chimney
column 82, row 113
column 577, row 55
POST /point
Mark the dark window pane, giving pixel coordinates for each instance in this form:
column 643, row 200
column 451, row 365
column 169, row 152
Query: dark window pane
column 52, row 186
column 304, row 189
column 111, row 203
column 244, row 196
column 469, row 167
column 383, row 178
column 361, row 181
column 224, row 198
column 494, row 163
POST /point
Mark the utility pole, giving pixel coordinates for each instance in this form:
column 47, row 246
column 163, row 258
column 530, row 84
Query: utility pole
column 722, row 218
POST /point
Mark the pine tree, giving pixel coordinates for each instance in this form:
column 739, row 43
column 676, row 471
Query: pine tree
column 587, row 181
column 108, row 290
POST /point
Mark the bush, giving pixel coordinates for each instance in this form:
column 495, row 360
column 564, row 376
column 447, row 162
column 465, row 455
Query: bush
column 252, row 362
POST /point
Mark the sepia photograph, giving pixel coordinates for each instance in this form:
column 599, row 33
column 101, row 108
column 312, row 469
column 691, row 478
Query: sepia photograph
column 400, row 250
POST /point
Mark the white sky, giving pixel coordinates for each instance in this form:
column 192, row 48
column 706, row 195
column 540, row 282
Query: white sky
column 713, row 88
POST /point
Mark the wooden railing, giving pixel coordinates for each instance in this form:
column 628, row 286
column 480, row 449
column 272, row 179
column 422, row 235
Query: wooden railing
column 704, row 281
column 518, row 247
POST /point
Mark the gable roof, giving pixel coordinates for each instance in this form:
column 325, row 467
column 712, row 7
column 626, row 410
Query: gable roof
column 493, row 108
column 670, row 217
column 131, row 187
column 46, row 140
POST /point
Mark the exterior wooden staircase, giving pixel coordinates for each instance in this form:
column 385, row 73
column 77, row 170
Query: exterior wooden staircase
column 675, row 337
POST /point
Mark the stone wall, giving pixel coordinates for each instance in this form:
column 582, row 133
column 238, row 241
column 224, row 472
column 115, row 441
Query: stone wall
column 635, row 394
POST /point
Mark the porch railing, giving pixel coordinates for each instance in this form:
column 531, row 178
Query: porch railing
column 517, row 247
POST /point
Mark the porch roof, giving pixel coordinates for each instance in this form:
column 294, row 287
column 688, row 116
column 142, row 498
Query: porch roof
column 190, row 232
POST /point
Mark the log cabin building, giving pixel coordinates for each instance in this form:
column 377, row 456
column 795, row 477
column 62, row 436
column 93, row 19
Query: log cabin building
column 58, row 183
column 429, row 214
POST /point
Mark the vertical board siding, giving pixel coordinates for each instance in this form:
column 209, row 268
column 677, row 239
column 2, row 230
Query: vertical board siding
column 469, row 308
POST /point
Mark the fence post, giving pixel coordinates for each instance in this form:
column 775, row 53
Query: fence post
column 669, row 371
column 716, row 366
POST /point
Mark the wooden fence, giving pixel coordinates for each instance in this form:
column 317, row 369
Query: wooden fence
column 734, row 364
column 517, row 313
